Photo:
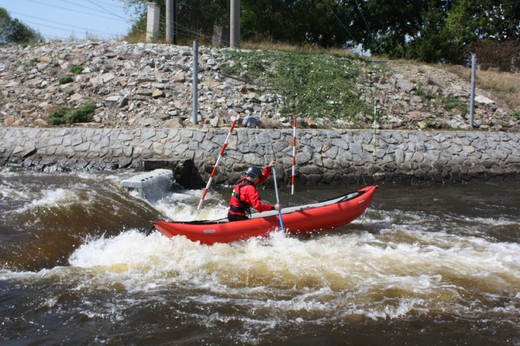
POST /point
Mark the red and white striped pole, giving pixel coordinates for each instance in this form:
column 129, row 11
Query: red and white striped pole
column 216, row 163
column 293, row 157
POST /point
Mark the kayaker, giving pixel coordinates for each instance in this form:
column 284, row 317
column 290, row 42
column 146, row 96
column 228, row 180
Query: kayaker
column 245, row 195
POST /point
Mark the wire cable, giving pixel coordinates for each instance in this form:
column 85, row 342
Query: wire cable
column 364, row 20
column 46, row 21
column 105, row 10
column 339, row 20
column 96, row 14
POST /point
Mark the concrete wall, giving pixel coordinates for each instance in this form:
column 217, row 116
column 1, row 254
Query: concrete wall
column 323, row 156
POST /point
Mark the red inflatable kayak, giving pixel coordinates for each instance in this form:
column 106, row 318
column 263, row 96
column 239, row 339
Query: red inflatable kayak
column 302, row 219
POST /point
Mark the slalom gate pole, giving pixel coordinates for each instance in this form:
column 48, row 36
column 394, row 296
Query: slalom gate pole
column 277, row 198
column 216, row 163
column 374, row 125
column 293, row 156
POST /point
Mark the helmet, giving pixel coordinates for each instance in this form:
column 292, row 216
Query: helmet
column 253, row 172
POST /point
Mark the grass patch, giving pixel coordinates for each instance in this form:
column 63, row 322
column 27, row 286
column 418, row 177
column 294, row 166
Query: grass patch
column 451, row 103
column 516, row 115
column 424, row 93
column 31, row 63
column 76, row 69
column 65, row 80
column 82, row 114
column 313, row 84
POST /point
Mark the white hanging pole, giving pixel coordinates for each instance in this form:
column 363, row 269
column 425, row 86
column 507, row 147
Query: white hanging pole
column 293, row 157
column 374, row 125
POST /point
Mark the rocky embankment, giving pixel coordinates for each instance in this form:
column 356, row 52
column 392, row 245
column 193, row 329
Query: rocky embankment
column 150, row 86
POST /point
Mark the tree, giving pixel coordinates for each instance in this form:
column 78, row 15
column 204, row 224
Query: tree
column 297, row 21
column 14, row 31
column 291, row 21
column 470, row 22
column 426, row 30
column 434, row 30
column 195, row 18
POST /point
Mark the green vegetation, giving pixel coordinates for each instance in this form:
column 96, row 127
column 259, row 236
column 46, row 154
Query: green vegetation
column 314, row 85
column 429, row 121
column 425, row 94
column 322, row 84
column 65, row 80
column 31, row 63
column 14, row 31
column 516, row 115
column 76, row 69
column 82, row 114
column 451, row 102
column 435, row 31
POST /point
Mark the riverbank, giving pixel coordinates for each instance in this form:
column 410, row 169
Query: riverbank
column 323, row 156
column 135, row 86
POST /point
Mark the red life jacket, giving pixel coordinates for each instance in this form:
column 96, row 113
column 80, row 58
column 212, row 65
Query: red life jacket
column 242, row 200
column 236, row 205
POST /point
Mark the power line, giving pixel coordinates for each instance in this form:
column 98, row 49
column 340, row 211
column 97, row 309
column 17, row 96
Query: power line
column 362, row 16
column 104, row 9
column 106, row 18
column 109, row 4
column 45, row 21
column 87, row 31
column 96, row 14
column 339, row 20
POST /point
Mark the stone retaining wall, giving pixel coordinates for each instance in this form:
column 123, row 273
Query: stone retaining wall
column 323, row 156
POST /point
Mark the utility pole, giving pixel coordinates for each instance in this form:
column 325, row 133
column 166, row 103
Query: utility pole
column 234, row 28
column 171, row 21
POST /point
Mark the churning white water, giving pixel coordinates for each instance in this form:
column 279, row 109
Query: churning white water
column 411, row 265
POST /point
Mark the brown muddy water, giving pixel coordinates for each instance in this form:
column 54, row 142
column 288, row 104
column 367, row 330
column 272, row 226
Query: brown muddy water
column 431, row 264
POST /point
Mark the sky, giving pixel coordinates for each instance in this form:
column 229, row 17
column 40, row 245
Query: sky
column 72, row 19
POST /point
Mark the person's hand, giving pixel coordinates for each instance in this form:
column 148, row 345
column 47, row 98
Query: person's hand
column 277, row 207
column 271, row 164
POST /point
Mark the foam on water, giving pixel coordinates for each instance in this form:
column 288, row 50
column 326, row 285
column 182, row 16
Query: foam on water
column 183, row 206
column 400, row 264
column 59, row 197
column 9, row 192
column 385, row 275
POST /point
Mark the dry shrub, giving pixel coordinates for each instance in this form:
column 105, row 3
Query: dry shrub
column 292, row 48
column 505, row 85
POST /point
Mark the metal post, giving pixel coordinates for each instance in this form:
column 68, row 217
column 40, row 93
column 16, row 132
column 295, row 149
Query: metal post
column 195, row 80
column 473, row 83
column 169, row 21
column 234, row 27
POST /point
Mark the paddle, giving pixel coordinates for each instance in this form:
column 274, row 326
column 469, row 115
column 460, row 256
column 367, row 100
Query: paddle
column 277, row 198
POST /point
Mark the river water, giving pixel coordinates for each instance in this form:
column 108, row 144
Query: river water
column 436, row 264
